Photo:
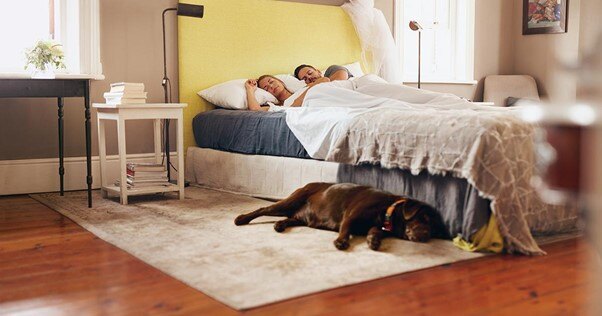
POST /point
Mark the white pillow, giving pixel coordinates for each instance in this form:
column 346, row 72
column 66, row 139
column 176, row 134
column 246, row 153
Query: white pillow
column 232, row 95
column 355, row 69
column 293, row 84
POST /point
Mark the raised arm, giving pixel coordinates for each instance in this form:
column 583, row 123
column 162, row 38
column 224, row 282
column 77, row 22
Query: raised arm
column 251, row 87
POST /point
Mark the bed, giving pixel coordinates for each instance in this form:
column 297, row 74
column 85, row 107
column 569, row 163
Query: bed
column 256, row 153
column 232, row 137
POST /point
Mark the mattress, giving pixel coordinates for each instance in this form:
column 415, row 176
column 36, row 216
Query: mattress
column 247, row 132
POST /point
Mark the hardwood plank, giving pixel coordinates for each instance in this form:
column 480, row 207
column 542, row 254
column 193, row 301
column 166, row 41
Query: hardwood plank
column 51, row 264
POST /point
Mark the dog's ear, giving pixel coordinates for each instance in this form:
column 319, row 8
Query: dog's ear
column 409, row 210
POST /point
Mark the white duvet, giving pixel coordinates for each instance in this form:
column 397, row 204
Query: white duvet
column 351, row 122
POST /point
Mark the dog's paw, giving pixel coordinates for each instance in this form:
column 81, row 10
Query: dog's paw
column 279, row 227
column 373, row 243
column 341, row 244
column 240, row 220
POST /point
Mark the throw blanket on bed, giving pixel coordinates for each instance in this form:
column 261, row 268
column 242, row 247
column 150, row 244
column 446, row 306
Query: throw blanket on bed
column 489, row 147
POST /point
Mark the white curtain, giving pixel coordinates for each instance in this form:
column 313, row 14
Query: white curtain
column 379, row 52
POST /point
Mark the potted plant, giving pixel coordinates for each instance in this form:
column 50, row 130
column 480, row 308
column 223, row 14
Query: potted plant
column 43, row 58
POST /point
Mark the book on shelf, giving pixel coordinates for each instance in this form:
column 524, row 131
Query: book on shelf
column 131, row 179
column 125, row 95
column 127, row 87
column 130, row 185
column 146, row 174
column 117, row 101
column 145, row 167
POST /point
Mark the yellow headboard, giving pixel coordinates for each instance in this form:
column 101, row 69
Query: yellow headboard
column 248, row 38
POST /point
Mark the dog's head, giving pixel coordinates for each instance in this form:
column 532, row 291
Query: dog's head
column 412, row 221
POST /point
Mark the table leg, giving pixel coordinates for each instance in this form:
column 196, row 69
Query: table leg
column 88, row 142
column 167, row 149
column 180, row 142
column 61, row 147
column 102, row 155
column 157, row 138
column 122, row 161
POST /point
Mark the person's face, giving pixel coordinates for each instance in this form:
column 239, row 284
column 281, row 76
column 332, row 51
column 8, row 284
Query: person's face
column 309, row 74
column 270, row 85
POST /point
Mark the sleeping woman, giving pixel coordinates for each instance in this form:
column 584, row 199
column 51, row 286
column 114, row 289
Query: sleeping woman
column 278, row 89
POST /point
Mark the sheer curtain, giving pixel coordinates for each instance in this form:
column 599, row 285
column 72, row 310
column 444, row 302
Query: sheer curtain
column 379, row 52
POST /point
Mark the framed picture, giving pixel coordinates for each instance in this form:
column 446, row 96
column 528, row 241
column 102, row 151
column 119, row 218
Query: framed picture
column 545, row 16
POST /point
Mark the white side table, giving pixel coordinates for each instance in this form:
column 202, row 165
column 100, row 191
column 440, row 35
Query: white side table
column 148, row 111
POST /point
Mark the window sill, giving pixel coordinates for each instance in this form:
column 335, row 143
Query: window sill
column 26, row 75
column 469, row 82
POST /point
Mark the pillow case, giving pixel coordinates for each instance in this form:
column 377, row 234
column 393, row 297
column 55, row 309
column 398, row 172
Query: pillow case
column 355, row 69
column 232, row 95
column 293, row 84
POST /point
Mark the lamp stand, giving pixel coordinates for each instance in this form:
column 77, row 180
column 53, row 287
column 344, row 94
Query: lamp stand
column 166, row 87
column 419, row 55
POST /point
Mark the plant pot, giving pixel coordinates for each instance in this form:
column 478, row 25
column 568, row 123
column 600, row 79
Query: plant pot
column 48, row 73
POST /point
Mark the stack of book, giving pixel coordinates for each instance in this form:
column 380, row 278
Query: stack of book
column 143, row 175
column 126, row 93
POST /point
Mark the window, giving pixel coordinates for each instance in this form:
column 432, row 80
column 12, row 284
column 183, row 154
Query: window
column 447, row 40
column 72, row 23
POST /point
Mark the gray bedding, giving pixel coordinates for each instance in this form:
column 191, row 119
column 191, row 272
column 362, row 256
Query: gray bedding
column 247, row 132
column 463, row 211
column 266, row 133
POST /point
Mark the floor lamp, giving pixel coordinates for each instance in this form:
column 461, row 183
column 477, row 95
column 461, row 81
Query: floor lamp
column 414, row 26
column 183, row 9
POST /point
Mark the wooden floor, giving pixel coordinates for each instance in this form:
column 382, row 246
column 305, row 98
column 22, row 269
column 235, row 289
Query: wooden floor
column 49, row 265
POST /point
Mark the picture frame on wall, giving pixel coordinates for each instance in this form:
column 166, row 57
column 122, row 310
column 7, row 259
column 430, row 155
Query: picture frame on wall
column 545, row 16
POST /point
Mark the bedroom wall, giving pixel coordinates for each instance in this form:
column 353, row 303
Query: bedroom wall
column 131, row 50
column 537, row 55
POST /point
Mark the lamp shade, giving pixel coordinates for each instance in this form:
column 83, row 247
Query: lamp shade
column 191, row 10
column 415, row 26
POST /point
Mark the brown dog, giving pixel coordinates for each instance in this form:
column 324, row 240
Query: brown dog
column 352, row 209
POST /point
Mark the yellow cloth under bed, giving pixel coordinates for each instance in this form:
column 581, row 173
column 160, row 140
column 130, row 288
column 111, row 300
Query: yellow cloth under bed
column 487, row 239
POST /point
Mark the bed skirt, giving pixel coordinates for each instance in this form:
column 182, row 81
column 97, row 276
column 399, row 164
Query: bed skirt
column 463, row 211
column 261, row 176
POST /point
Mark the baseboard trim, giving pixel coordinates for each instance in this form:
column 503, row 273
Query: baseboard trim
column 41, row 175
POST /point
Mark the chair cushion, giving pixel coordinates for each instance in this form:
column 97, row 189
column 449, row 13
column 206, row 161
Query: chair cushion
column 499, row 88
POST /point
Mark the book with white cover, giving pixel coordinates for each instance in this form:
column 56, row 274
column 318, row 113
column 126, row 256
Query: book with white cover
column 127, row 87
column 117, row 101
column 127, row 95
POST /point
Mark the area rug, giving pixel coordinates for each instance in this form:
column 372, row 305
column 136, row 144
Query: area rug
column 195, row 241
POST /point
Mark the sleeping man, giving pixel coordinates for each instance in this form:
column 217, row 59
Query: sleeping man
column 313, row 76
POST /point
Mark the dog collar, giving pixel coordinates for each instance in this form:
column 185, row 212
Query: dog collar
column 388, row 224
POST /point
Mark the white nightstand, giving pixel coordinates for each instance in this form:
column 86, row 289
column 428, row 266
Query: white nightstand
column 148, row 111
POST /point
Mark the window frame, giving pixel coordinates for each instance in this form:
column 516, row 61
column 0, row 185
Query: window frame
column 464, row 70
column 81, row 40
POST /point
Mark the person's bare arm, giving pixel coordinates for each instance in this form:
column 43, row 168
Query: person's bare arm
column 299, row 101
column 339, row 75
column 251, row 87
column 318, row 81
